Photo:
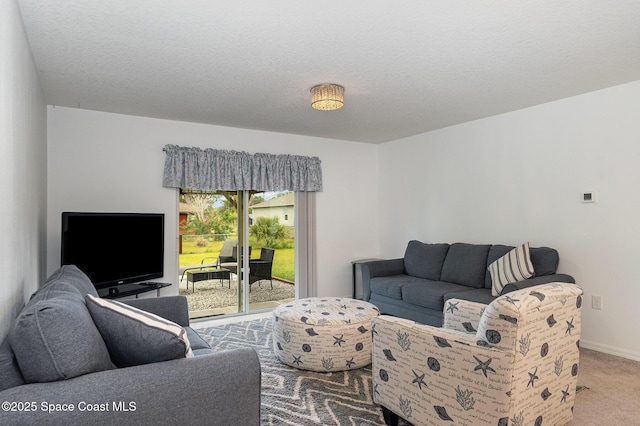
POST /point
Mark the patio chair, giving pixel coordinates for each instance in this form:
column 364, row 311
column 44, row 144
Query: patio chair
column 231, row 262
column 226, row 255
column 261, row 269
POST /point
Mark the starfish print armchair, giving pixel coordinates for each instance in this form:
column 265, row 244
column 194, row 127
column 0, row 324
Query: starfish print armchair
column 512, row 362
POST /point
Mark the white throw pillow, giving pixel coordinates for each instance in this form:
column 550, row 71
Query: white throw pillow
column 512, row 267
column 135, row 337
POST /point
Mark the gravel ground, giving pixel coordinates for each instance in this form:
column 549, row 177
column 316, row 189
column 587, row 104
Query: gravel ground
column 211, row 294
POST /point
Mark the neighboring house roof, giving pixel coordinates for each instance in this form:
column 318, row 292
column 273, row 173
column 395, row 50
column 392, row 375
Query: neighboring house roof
column 187, row 208
column 282, row 201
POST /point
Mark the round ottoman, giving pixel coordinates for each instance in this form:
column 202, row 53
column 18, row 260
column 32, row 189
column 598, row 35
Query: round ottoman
column 324, row 333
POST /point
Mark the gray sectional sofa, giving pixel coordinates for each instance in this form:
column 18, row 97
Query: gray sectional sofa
column 57, row 365
column 416, row 286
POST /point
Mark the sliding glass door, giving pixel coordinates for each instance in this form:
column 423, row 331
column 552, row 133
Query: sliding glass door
column 237, row 251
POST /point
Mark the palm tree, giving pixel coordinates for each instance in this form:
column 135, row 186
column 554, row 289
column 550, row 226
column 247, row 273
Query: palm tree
column 268, row 230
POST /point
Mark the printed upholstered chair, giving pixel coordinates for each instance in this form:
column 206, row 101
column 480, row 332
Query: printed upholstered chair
column 512, row 362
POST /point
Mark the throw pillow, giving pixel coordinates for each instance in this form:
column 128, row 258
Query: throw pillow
column 510, row 268
column 56, row 339
column 136, row 337
column 10, row 375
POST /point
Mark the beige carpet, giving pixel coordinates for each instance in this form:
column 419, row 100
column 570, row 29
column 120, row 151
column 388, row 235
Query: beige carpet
column 612, row 387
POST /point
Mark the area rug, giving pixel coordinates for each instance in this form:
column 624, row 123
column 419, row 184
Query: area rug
column 297, row 397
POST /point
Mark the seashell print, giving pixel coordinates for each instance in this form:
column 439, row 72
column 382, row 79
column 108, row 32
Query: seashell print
column 442, row 413
column 306, row 348
column 538, row 421
column 551, row 321
column 327, row 363
column 311, row 332
column 468, row 327
column 433, row 364
column 279, row 346
column 362, row 329
column 359, row 347
column 384, row 376
column 508, row 318
column 326, row 313
column 545, row 394
column 493, row 336
column 503, row 421
column 304, row 319
column 442, row 342
column 544, row 350
column 483, row 344
column 574, row 369
column 538, row 295
column 579, row 302
column 387, row 353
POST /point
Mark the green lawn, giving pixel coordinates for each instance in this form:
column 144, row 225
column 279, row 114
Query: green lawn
column 283, row 260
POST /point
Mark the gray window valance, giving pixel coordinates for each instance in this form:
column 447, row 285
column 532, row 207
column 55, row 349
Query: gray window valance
column 213, row 170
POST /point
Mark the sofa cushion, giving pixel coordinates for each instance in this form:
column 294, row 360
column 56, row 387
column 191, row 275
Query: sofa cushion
column 10, row 375
column 136, row 337
column 56, row 339
column 391, row 286
column 424, row 260
column 545, row 260
column 512, row 267
column 429, row 294
column 465, row 264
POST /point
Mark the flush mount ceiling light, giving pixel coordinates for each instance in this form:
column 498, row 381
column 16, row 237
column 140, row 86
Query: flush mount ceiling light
column 327, row 97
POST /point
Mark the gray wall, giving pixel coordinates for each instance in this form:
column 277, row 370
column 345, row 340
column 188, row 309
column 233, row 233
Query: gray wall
column 23, row 169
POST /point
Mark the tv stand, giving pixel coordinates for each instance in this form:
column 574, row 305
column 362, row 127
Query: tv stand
column 134, row 289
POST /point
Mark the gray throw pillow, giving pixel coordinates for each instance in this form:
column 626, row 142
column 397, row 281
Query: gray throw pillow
column 10, row 375
column 136, row 337
column 72, row 275
column 56, row 339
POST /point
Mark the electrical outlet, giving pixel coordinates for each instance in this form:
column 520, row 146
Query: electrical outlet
column 596, row 302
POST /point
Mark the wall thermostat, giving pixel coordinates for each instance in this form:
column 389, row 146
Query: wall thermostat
column 590, row 197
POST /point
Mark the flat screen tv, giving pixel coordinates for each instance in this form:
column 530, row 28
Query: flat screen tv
column 114, row 248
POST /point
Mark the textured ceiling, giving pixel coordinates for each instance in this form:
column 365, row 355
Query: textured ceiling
column 408, row 67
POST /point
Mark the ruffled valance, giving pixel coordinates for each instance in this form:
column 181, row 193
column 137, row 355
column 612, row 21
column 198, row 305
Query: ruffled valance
column 221, row 170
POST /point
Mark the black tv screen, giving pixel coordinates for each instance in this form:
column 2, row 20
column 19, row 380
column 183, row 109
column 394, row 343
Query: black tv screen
column 114, row 248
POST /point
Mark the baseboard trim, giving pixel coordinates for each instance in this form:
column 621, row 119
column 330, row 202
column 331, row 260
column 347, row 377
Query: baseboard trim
column 611, row 350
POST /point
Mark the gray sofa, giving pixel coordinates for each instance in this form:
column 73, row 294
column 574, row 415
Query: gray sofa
column 417, row 286
column 87, row 388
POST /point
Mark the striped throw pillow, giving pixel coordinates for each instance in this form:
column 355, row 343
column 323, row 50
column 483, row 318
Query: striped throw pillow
column 510, row 268
column 134, row 336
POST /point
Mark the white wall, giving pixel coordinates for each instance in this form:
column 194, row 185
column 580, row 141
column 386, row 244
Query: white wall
column 22, row 169
column 110, row 162
column 519, row 177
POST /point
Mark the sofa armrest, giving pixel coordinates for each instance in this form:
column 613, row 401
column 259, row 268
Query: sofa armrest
column 379, row 268
column 462, row 315
column 222, row 386
column 173, row 308
column 544, row 279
